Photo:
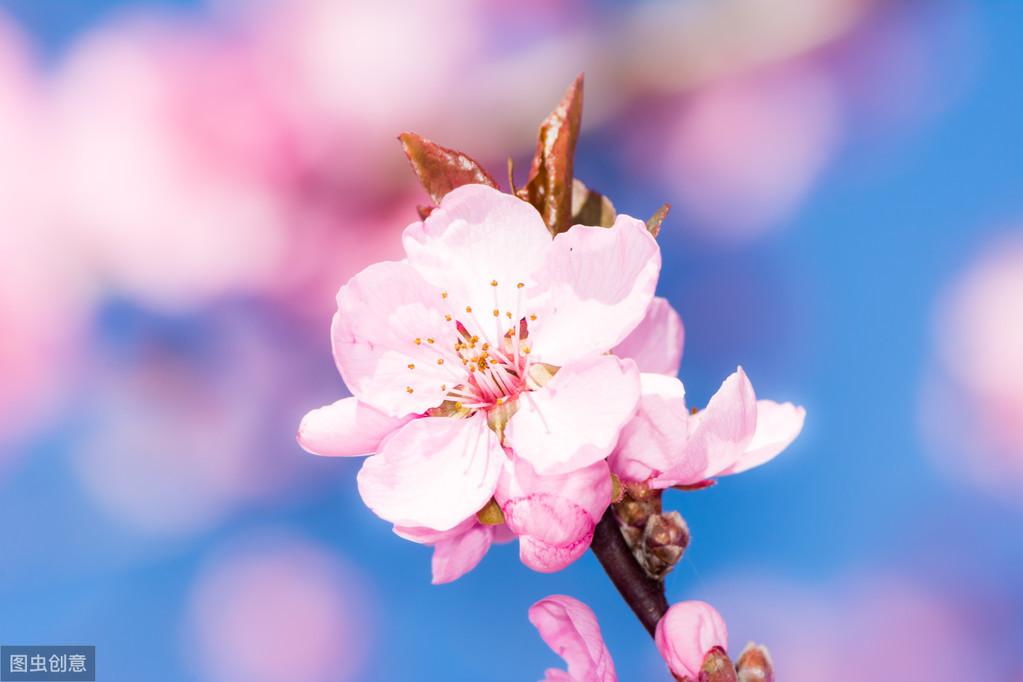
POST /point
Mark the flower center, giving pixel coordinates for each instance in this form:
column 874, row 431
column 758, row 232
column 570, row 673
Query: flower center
column 493, row 348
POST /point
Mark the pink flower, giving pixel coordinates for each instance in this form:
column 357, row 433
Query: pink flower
column 489, row 341
column 569, row 627
column 554, row 516
column 666, row 445
column 656, row 344
column 686, row 633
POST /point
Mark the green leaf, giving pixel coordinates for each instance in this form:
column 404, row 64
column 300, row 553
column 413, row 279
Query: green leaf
column 440, row 169
column 654, row 224
column 591, row 208
column 549, row 187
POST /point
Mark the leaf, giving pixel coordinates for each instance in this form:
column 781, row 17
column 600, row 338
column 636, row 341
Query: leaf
column 591, row 208
column 440, row 169
column 654, row 224
column 549, row 187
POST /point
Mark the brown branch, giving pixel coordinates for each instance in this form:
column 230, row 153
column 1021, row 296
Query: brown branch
column 642, row 593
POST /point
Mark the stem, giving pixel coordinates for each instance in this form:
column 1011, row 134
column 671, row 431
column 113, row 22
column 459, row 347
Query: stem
column 643, row 594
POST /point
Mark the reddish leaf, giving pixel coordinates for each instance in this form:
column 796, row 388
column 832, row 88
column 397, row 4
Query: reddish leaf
column 591, row 208
column 654, row 224
column 441, row 169
column 549, row 187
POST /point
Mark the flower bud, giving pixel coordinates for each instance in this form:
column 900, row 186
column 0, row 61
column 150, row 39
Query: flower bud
column 717, row 667
column 687, row 633
column 755, row 664
column 665, row 539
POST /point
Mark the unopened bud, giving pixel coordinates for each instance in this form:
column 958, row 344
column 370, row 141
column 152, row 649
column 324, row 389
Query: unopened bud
column 664, row 541
column 755, row 664
column 717, row 667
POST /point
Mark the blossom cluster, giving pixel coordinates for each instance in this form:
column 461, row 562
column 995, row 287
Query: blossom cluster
column 514, row 376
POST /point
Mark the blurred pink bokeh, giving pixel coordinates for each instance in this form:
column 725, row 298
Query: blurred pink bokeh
column 972, row 401
column 275, row 607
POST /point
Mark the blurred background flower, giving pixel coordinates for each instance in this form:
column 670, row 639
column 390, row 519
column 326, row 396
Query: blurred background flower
column 184, row 184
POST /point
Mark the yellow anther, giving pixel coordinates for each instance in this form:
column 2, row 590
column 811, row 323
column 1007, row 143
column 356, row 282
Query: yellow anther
column 475, row 339
column 493, row 282
column 497, row 312
column 408, row 389
column 525, row 350
column 519, row 285
column 440, row 361
column 419, row 342
column 443, row 387
column 500, row 401
column 429, row 340
column 447, row 318
column 458, row 406
column 508, row 314
column 468, row 308
column 443, row 294
column 485, row 347
column 533, row 318
column 411, row 365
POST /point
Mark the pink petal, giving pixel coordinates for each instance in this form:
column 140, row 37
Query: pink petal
column 429, row 536
column 476, row 237
column 654, row 441
column 569, row 628
column 554, row 516
column 598, row 283
column 718, row 434
column 435, row 472
column 656, row 344
column 345, row 428
column 778, row 424
column 456, row 556
column 686, row 633
column 381, row 313
column 575, row 419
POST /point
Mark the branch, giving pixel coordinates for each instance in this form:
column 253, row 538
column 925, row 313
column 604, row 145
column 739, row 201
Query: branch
column 643, row 594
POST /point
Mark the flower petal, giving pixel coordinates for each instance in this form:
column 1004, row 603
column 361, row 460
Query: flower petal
column 778, row 424
column 575, row 419
column 381, row 313
column 686, row 633
column 654, row 441
column 345, row 428
column 597, row 283
column 656, row 344
column 476, row 237
column 570, row 628
column 456, row 556
column 718, row 434
column 433, row 473
column 554, row 516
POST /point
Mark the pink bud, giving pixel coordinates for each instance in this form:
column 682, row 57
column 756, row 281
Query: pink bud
column 687, row 633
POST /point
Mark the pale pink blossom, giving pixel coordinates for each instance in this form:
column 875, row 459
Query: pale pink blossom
column 665, row 445
column 569, row 628
column 554, row 516
column 492, row 338
column 656, row 344
column 687, row 633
